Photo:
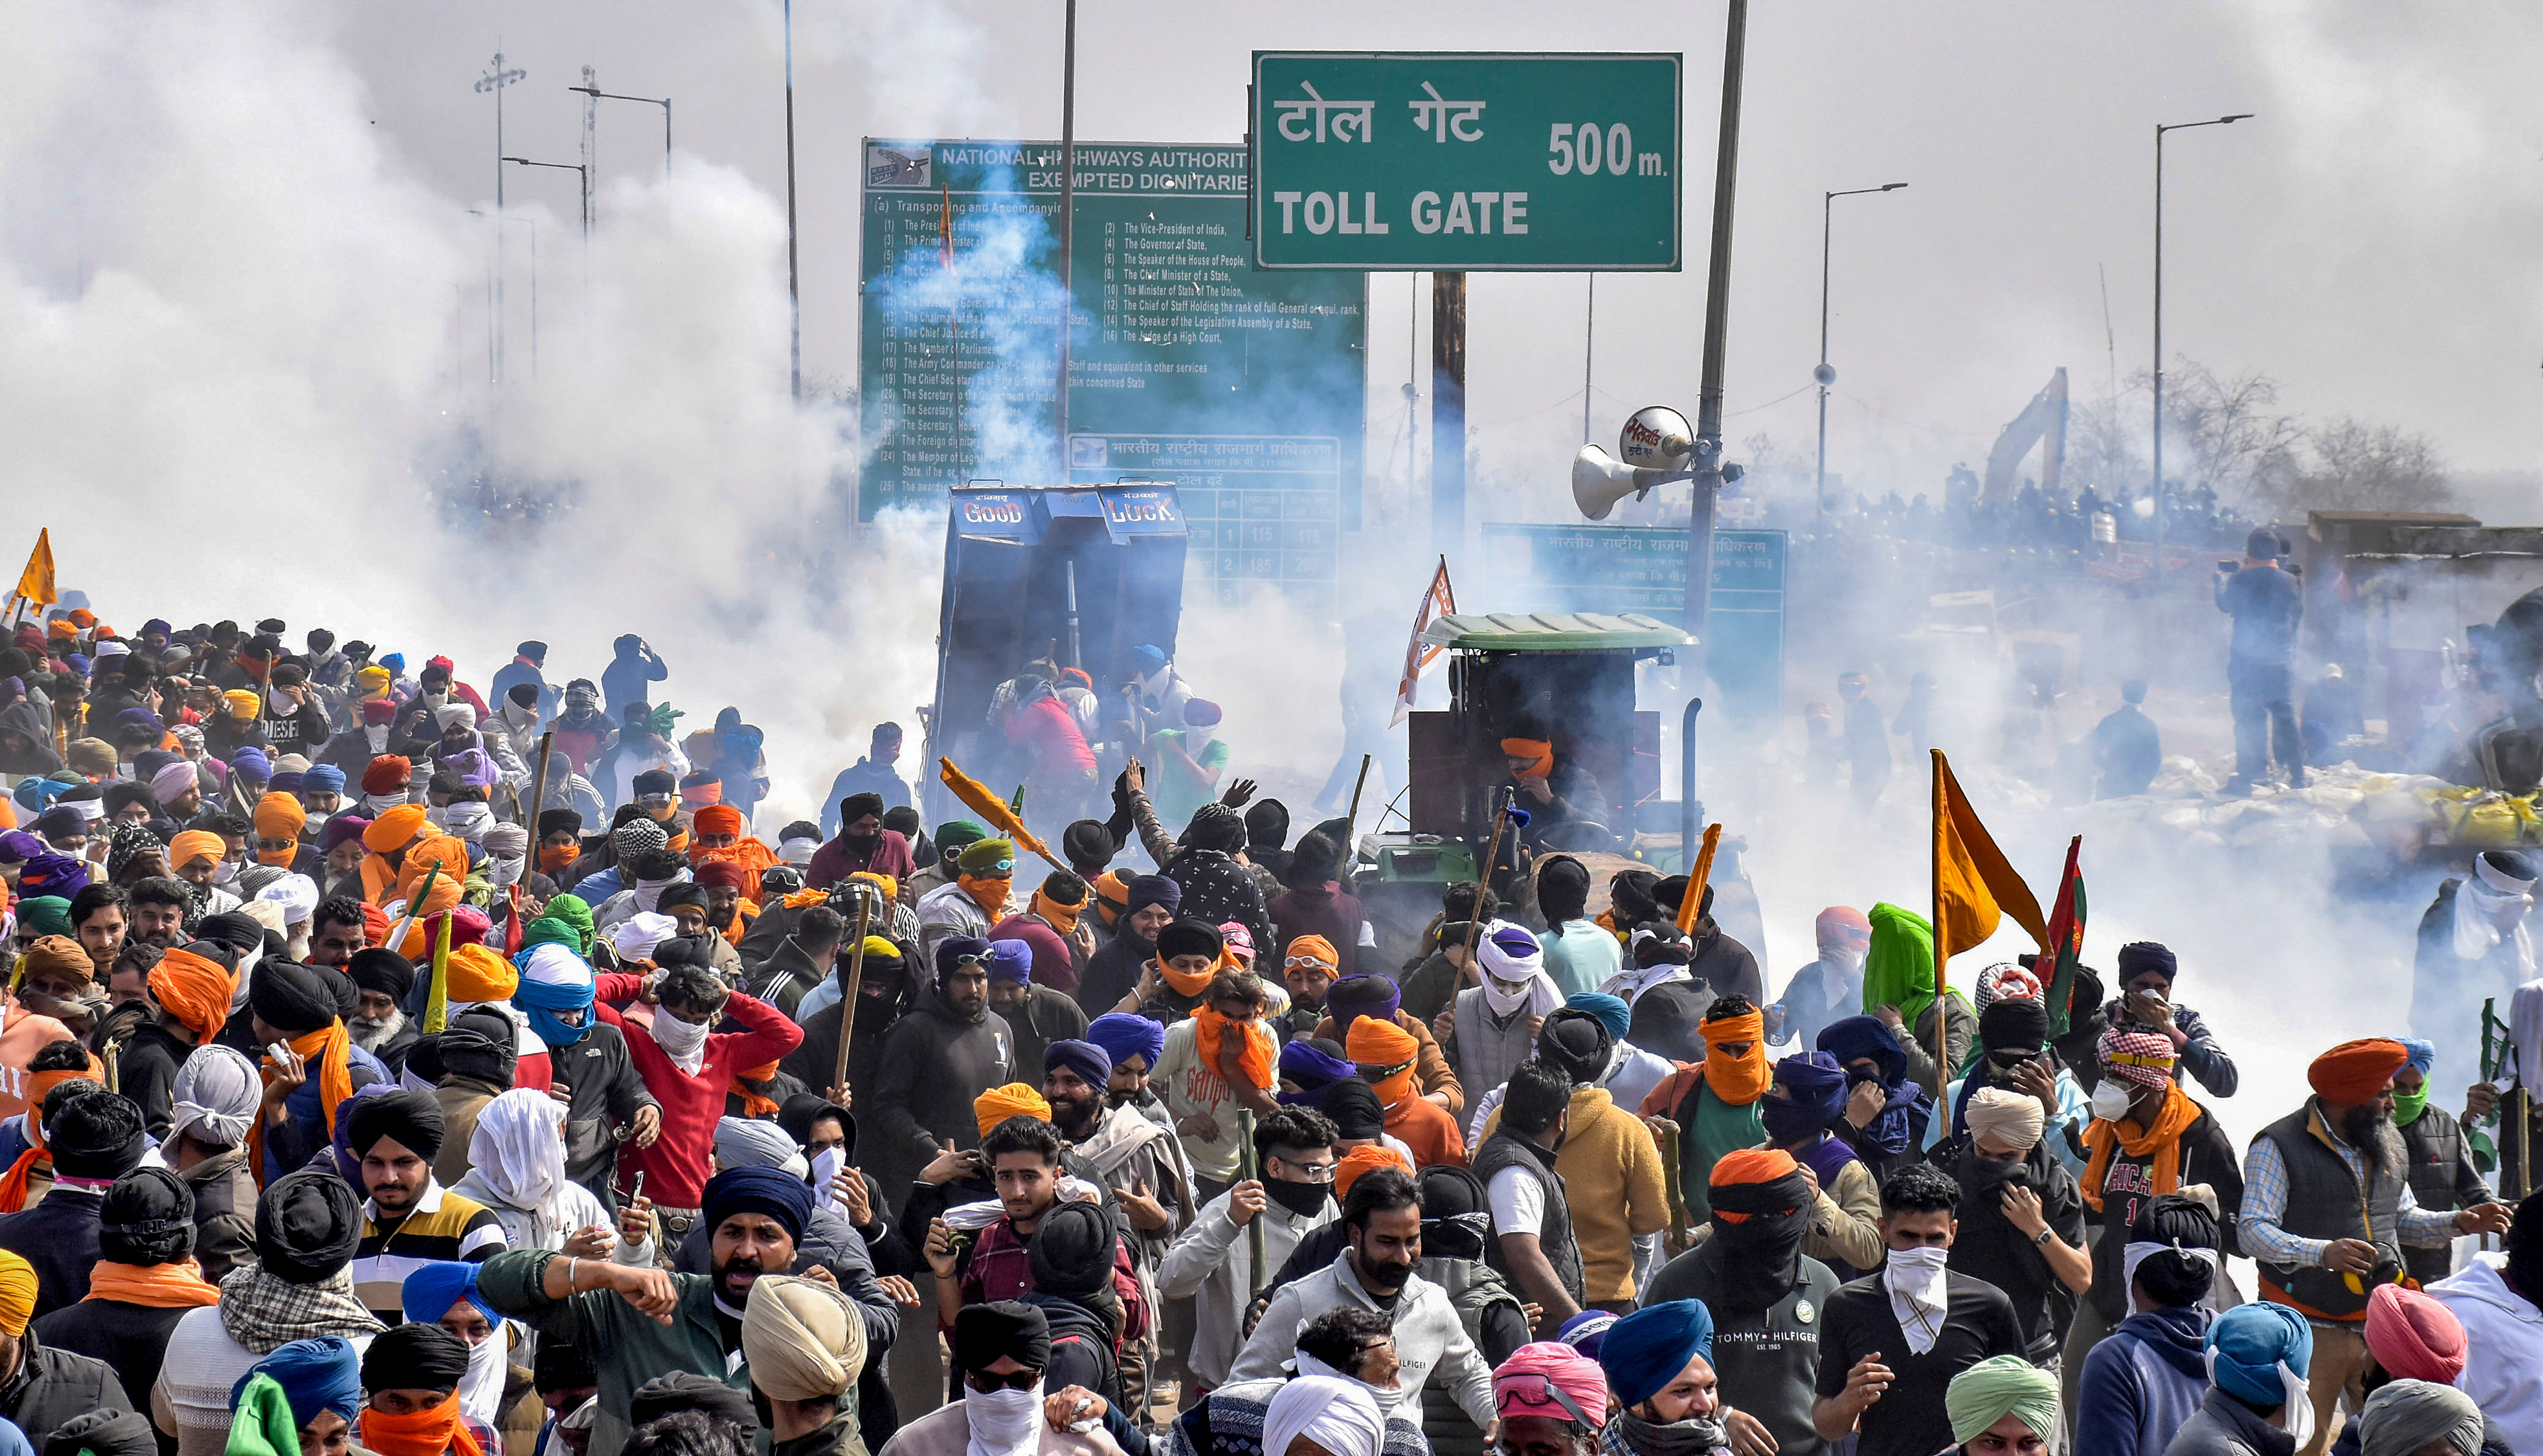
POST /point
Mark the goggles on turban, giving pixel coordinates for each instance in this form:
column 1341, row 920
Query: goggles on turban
column 1553, row 1379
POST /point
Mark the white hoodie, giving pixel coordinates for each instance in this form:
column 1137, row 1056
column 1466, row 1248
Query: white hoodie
column 2503, row 1348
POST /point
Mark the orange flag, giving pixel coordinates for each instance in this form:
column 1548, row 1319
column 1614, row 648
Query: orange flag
column 1974, row 886
column 1692, row 906
column 36, row 584
column 1440, row 600
column 991, row 808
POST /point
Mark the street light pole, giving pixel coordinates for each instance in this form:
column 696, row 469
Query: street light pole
column 1717, row 333
column 2159, row 131
column 663, row 102
column 794, row 294
column 583, row 172
column 1067, row 206
column 495, row 80
column 1823, row 375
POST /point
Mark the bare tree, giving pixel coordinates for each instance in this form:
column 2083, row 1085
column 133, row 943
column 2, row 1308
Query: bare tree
column 2104, row 450
column 2237, row 444
column 2356, row 466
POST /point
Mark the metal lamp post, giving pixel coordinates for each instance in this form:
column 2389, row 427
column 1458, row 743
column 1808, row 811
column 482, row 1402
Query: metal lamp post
column 1824, row 374
column 664, row 101
column 2159, row 131
column 581, row 171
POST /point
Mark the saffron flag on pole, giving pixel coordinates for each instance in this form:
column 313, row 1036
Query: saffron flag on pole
column 36, row 584
column 1692, row 906
column 1439, row 601
column 1974, row 886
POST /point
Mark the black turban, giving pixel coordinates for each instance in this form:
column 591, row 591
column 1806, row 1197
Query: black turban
column 1455, row 1218
column 96, row 1137
column 2140, row 956
column 554, row 820
column 1631, row 894
column 412, row 1119
column 685, row 950
column 1190, row 938
column 1071, row 1252
column 480, row 1042
column 103, row 1433
column 1576, row 1041
column 309, row 1222
column 562, row 1366
column 148, row 1218
column 1088, row 842
column 799, row 1112
column 234, row 930
column 686, row 1390
column 2012, row 1024
column 985, row 1333
column 781, row 1196
column 2174, row 1279
column 1217, row 826
column 1354, row 1107
column 382, row 972
column 687, row 893
column 856, row 806
column 291, row 998
column 2525, row 1246
column 414, row 1357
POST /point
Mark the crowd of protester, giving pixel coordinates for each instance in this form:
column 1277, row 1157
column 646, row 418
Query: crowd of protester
column 348, row 1101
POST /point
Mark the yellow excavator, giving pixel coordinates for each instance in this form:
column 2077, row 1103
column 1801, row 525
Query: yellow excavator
column 2043, row 423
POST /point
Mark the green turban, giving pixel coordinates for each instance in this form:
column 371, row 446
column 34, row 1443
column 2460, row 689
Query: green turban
column 1992, row 1389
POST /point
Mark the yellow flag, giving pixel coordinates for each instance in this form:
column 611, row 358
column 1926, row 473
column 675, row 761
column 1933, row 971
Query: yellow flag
column 36, row 584
column 1974, row 886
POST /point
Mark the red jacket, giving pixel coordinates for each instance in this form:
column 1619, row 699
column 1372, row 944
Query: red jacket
column 675, row 1166
column 1053, row 964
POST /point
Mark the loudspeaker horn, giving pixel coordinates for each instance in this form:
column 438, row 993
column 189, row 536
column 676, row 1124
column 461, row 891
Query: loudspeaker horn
column 1600, row 480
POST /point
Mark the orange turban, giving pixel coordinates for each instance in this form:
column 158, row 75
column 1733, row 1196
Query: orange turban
column 444, row 852
column 393, row 829
column 481, row 973
column 241, row 702
column 1314, row 948
column 1386, row 1054
column 716, row 818
column 1745, row 1167
column 1742, row 1079
column 1360, row 1160
column 279, row 816
column 194, row 844
column 2357, row 1072
column 1537, row 749
column 195, row 989
column 1015, row 1100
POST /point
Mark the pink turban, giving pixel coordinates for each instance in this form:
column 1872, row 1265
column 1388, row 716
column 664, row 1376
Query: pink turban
column 173, row 782
column 1551, row 1379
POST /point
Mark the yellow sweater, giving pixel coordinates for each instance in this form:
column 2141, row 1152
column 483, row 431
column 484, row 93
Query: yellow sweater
column 1612, row 1184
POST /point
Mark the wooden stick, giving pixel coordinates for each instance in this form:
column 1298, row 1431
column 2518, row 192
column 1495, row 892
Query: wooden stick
column 1350, row 824
column 1250, row 1170
column 856, row 982
column 538, row 797
column 1483, row 879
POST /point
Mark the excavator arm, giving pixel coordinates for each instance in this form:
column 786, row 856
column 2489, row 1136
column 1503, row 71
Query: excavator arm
column 2041, row 422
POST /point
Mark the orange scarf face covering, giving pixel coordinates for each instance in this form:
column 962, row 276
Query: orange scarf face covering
column 2162, row 1140
column 421, row 1433
column 1738, row 1080
column 1253, row 1063
column 1186, row 983
column 989, row 893
column 178, row 1285
column 1062, row 918
column 556, row 856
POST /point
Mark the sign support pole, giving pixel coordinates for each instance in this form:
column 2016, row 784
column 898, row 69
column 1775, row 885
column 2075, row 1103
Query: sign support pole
column 1717, row 331
column 1448, row 413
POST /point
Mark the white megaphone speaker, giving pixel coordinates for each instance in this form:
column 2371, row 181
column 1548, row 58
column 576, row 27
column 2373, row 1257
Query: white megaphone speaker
column 1657, row 445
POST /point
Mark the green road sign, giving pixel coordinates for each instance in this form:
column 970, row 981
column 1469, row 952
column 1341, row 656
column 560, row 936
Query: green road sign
column 1466, row 161
column 1185, row 365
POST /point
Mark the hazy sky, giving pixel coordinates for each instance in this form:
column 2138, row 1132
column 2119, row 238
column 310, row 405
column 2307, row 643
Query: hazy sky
column 2368, row 238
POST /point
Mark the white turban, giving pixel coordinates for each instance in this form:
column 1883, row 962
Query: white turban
column 637, row 934
column 755, row 1142
column 215, row 1096
column 1511, row 955
column 2011, row 1118
column 1340, row 1416
column 450, row 715
column 803, row 1339
column 297, row 895
column 519, row 1152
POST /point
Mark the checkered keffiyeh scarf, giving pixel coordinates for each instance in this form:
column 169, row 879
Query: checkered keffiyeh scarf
column 2144, row 1057
column 265, row 1313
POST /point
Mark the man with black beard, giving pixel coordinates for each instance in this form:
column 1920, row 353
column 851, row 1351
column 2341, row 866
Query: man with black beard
column 1765, row 1295
column 1211, row 1264
column 382, row 978
column 2313, row 1181
column 862, row 844
column 1141, row 1161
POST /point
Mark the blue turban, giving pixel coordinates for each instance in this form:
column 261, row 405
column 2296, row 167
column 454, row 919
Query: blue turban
column 1313, row 1070
column 1092, row 1063
column 437, row 1284
column 1011, row 961
column 1856, row 1036
column 1816, row 1081
column 322, row 778
column 315, row 1375
column 252, row 762
column 953, row 948
column 2249, row 1342
column 1612, row 1010
column 1586, row 1331
column 1124, row 1036
column 36, row 795
column 554, row 978
column 2424, row 1054
column 1151, row 889
column 1645, row 1350
column 780, row 1195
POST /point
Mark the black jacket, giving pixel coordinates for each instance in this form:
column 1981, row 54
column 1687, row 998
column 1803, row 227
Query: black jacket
column 1217, row 889
column 1047, row 1016
column 59, row 1238
column 53, row 1387
column 145, row 1070
column 1113, row 971
column 783, row 979
column 935, row 1061
column 225, row 1197
column 131, row 1337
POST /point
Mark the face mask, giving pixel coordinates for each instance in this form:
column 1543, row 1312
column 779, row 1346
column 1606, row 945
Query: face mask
column 315, row 822
column 555, row 857
column 278, row 704
column 679, row 1039
column 434, row 700
column 1701, row 1436
column 226, row 873
column 1004, row 1422
column 502, row 870
column 2407, row 1106
column 2112, row 1099
column 1787, row 1121
column 1502, row 997
column 378, row 733
column 1304, row 1199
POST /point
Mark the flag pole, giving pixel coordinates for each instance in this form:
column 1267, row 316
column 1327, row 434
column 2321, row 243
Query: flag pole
column 1942, row 945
